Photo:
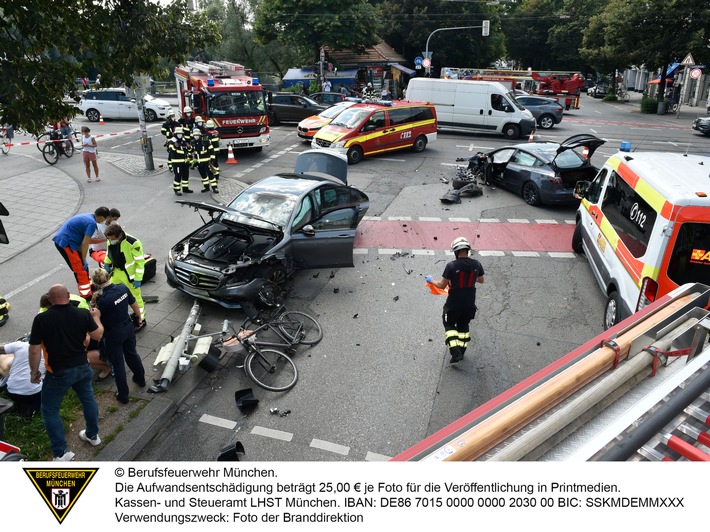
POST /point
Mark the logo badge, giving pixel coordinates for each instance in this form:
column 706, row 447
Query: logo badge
column 60, row 488
column 194, row 280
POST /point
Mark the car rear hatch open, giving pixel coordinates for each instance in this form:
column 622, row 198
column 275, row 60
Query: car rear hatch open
column 583, row 140
column 569, row 170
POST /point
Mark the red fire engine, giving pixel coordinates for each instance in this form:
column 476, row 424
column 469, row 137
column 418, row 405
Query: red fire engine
column 568, row 86
column 226, row 93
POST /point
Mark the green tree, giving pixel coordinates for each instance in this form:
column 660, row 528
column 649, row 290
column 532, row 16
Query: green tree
column 654, row 33
column 407, row 24
column 313, row 23
column 565, row 36
column 46, row 46
column 527, row 30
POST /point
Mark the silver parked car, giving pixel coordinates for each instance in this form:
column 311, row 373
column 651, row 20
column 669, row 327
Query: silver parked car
column 547, row 111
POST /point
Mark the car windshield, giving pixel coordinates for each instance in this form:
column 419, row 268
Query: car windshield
column 275, row 207
column 332, row 112
column 351, row 118
column 236, row 103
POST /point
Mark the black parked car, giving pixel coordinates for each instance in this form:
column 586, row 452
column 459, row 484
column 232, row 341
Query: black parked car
column 304, row 219
column 327, row 98
column 289, row 107
column 547, row 111
column 543, row 172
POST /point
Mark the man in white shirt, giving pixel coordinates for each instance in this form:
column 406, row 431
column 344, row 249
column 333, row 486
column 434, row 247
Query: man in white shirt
column 327, row 86
column 15, row 373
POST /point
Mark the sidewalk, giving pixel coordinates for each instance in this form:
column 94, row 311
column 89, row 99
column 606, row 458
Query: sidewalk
column 39, row 202
column 683, row 119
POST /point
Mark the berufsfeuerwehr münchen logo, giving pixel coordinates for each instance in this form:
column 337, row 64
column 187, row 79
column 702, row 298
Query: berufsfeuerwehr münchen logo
column 60, row 488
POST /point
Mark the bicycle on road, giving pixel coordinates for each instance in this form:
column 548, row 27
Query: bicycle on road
column 6, row 137
column 54, row 147
column 622, row 94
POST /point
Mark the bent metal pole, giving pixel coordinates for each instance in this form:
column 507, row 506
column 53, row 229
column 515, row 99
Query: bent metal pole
column 178, row 349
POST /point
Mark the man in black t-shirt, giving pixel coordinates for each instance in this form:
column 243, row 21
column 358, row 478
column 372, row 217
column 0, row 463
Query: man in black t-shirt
column 60, row 333
column 460, row 276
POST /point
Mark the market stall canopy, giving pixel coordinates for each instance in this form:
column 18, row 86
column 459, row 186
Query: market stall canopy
column 297, row 75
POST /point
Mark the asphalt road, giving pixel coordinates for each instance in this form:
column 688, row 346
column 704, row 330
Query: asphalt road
column 379, row 381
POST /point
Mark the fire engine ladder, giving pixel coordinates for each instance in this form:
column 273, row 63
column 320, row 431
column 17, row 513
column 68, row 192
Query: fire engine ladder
column 234, row 69
column 205, row 68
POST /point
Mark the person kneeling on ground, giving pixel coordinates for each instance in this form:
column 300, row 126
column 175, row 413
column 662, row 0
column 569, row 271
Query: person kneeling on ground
column 15, row 373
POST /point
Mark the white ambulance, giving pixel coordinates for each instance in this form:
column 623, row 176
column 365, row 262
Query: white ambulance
column 644, row 225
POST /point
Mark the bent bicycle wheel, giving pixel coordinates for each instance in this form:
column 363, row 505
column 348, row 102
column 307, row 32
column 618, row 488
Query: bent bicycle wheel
column 50, row 154
column 300, row 328
column 271, row 370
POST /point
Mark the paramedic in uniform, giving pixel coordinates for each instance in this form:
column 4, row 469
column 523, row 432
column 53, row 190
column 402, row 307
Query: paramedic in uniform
column 460, row 276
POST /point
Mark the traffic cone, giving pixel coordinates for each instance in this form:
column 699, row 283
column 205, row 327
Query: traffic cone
column 533, row 136
column 101, row 120
column 230, row 155
column 585, row 152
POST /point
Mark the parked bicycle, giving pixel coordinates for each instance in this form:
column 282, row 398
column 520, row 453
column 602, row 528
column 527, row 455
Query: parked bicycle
column 56, row 146
column 6, row 137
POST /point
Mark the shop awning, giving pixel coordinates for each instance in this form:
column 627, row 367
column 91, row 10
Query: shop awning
column 403, row 68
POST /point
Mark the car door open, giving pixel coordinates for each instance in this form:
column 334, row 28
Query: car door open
column 327, row 242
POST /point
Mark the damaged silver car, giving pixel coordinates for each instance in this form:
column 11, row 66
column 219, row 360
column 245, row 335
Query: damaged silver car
column 248, row 249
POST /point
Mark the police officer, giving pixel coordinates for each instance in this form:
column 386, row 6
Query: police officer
column 180, row 154
column 203, row 155
column 113, row 301
column 213, row 134
column 126, row 262
column 460, row 276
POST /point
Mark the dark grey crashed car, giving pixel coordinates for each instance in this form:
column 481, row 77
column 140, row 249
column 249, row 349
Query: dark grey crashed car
column 289, row 221
column 543, row 172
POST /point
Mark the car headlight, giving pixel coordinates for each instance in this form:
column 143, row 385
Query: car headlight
column 339, row 144
column 262, row 130
column 171, row 259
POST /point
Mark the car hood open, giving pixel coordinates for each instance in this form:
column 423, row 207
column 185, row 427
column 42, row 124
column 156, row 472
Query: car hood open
column 214, row 209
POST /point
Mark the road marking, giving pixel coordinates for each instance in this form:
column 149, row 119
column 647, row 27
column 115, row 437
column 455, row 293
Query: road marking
column 562, row 254
column 465, row 220
column 392, row 160
column 388, row 251
column 518, row 221
column 33, row 282
column 360, row 251
column 593, row 130
column 449, row 164
column 525, row 254
column 399, row 218
column 423, row 252
column 218, row 421
column 545, row 221
column 271, row 433
column 491, row 253
column 431, row 219
column 570, row 222
column 375, row 457
column 332, row 447
column 489, row 220
column 372, row 218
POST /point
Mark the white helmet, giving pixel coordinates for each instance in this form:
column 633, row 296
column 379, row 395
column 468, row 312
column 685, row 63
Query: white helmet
column 197, row 133
column 187, row 109
column 171, row 114
column 210, row 123
column 459, row 244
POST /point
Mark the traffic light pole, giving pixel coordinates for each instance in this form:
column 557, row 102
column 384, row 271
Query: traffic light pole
column 486, row 30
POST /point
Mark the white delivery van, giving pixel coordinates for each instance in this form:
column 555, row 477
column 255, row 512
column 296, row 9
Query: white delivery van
column 644, row 225
column 473, row 105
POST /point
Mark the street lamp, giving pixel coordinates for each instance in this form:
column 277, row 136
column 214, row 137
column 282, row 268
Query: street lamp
column 486, row 30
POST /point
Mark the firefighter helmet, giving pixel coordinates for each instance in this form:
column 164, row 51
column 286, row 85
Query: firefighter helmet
column 459, row 244
column 197, row 133
column 198, row 119
column 171, row 114
column 187, row 109
column 210, row 123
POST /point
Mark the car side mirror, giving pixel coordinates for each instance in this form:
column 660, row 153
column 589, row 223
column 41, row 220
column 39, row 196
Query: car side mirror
column 580, row 189
column 308, row 230
column 369, row 127
column 507, row 109
column 133, row 100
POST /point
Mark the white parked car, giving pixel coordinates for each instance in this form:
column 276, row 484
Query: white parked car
column 115, row 103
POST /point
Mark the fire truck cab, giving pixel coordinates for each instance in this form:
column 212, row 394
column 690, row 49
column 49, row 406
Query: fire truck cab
column 226, row 93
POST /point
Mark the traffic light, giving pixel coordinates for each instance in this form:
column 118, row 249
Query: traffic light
column 3, row 234
column 486, row 28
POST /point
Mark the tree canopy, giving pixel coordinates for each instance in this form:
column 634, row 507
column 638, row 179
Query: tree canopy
column 46, row 46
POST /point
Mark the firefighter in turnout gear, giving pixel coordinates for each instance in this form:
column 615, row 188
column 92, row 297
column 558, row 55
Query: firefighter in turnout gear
column 203, row 157
column 4, row 311
column 187, row 121
column 460, row 276
column 125, row 261
column 180, row 155
column 168, row 130
column 213, row 135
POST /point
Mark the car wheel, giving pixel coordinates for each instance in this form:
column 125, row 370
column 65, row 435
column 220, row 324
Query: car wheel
column 150, row 115
column 511, row 131
column 274, row 288
column 92, row 115
column 577, row 238
column 612, row 310
column 546, row 121
column 355, row 155
column 531, row 194
column 419, row 144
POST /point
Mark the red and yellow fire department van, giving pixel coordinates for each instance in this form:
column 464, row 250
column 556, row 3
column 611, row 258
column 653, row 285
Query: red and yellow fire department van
column 644, row 225
column 372, row 128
